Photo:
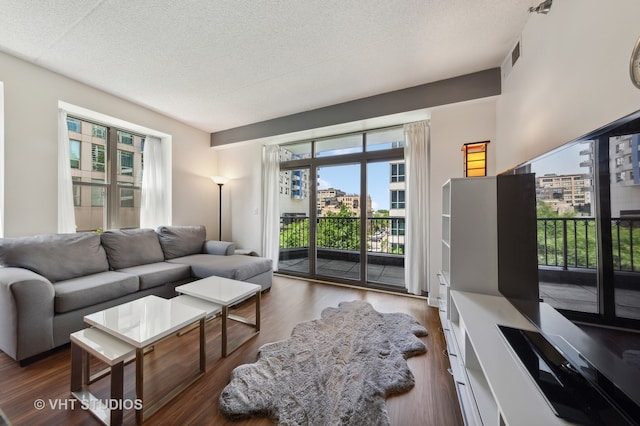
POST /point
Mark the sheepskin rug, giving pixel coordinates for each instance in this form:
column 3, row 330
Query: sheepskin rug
column 337, row 370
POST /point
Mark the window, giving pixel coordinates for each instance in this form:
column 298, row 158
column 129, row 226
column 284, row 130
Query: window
column 76, row 193
column 125, row 163
column 397, row 226
column 397, row 172
column 97, row 158
column 106, row 189
column 126, row 197
column 74, row 153
column 125, row 138
column 73, row 124
column 97, row 195
column 397, row 199
column 99, row 131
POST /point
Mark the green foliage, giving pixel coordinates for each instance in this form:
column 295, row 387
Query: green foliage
column 340, row 230
column 573, row 242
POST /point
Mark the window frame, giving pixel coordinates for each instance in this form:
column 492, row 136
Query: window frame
column 110, row 189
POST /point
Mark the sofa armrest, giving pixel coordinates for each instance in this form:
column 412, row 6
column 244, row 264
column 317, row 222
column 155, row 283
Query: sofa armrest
column 221, row 248
column 26, row 313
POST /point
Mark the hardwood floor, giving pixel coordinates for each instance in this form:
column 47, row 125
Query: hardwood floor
column 432, row 401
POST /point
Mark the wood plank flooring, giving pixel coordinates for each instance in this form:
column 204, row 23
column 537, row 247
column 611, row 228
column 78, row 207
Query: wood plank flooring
column 432, row 401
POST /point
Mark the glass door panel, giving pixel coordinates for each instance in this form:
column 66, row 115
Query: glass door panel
column 386, row 223
column 567, row 240
column 338, row 206
column 294, row 220
column 625, row 223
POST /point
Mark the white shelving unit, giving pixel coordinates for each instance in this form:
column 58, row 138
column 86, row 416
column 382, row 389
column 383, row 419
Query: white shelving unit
column 493, row 387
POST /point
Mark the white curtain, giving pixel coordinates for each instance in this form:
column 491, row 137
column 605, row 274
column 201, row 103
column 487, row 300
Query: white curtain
column 66, row 213
column 416, row 152
column 154, row 206
column 271, row 203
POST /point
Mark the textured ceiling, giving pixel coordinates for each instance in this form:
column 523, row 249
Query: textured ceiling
column 222, row 64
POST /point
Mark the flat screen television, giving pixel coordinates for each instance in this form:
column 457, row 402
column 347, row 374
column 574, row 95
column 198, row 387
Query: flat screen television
column 569, row 261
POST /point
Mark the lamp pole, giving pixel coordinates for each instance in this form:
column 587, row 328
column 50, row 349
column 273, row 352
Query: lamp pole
column 220, row 212
column 219, row 180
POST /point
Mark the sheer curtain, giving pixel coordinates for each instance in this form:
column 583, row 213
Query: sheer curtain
column 271, row 203
column 154, row 206
column 66, row 213
column 416, row 242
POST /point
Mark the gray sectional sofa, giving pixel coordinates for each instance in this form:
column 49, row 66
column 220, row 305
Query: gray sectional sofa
column 48, row 283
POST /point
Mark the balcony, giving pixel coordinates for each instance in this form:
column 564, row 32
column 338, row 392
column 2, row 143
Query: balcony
column 567, row 260
column 567, row 256
column 338, row 248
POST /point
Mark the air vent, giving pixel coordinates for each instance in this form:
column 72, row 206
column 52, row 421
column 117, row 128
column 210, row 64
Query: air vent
column 510, row 60
column 515, row 54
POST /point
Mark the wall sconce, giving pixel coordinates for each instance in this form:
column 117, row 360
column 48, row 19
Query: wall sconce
column 474, row 158
column 219, row 180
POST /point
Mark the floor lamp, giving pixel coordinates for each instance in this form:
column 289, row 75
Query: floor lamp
column 219, row 180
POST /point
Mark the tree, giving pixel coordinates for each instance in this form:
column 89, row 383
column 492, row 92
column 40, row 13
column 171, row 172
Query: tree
column 339, row 230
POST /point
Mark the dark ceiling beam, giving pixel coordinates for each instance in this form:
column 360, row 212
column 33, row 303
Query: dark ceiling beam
column 457, row 89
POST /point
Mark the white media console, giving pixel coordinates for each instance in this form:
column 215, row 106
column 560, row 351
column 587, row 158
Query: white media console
column 493, row 386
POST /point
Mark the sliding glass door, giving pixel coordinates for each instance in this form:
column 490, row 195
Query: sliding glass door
column 351, row 228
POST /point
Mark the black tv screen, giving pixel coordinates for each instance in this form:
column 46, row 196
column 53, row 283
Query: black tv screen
column 569, row 250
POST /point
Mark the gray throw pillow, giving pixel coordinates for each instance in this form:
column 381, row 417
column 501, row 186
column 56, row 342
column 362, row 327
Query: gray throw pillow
column 57, row 257
column 131, row 247
column 178, row 241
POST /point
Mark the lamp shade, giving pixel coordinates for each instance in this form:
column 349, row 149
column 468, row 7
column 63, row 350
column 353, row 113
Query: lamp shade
column 220, row 180
column 475, row 158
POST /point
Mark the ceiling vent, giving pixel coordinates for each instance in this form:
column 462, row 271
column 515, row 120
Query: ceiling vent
column 511, row 59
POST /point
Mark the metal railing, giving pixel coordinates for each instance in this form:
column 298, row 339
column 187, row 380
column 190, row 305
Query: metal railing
column 572, row 243
column 384, row 235
column 562, row 242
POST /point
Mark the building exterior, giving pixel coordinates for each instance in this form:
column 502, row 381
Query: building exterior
column 93, row 148
column 397, row 206
column 625, row 175
column 332, row 200
column 569, row 193
column 294, row 188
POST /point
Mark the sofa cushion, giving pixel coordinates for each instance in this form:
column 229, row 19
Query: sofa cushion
column 156, row 274
column 178, row 241
column 90, row 290
column 236, row 267
column 131, row 247
column 57, row 257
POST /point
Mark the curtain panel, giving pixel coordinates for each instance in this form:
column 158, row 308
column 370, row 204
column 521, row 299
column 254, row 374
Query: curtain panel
column 154, row 205
column 271, row 203
column 66, row 209
column 416, row 153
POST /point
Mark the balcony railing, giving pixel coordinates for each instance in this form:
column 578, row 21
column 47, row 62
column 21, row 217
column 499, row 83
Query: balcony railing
column 562, row 242
column 572, row 243
column 384, row 235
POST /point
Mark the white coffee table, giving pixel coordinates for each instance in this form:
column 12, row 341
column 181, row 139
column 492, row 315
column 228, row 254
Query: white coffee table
column 226, row 292
column 144, row 322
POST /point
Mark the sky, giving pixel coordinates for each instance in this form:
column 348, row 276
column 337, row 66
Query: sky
column 565, row 160
column 347, row 178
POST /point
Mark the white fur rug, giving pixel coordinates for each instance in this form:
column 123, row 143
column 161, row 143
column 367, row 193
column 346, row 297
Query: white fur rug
column 334, row 371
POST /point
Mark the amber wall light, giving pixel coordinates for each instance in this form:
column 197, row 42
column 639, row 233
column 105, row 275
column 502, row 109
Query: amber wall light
column 475, row 158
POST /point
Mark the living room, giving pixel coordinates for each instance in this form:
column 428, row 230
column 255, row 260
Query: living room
column 572, row 77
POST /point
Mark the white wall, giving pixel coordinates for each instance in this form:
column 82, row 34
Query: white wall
column 572, row 77
column 451, row 127
column 242, row 195
column 31, row 96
